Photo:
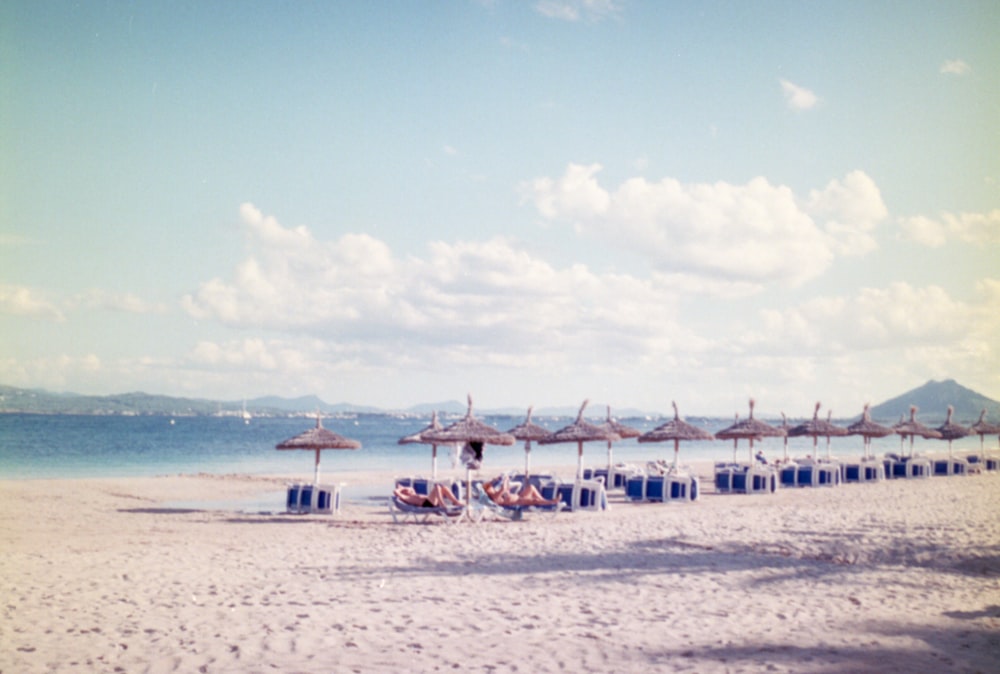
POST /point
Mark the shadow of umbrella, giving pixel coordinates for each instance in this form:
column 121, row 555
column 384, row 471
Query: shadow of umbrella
column 318, row 439
column 580, row 432
column 868, row 429
column 750, row 429
column 418, row 438
column 983, row 428
column 470, row 431
column 949, row 430
column 676, row 429
column 621, row 429
column 817, row 428
column 529, row 432
column 911, row 429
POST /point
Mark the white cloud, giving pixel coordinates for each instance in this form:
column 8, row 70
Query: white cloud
column 955, row 67
column 850, row 210
column 472, row 302
column 575, row 10
column 23, row 301
column 754, row 233
column 891, row 319
column 973, row 228
column 798, row 98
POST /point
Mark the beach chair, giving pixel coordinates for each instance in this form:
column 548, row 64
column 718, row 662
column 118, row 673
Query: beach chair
column 304, row 499
column 635, row 487
column 950, row 466
column 656, row 488
column 405, row 512
column 491, row 508
column 583, row 495
column 681, row 486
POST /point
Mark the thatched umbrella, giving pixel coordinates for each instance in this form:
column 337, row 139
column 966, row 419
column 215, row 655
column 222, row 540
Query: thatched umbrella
column 418, row 438
column 529, row 432
column 868, row 429
column 913, row 428
column 817, row 428
column 676, row 429
column 580, row 432
column 949, row 430
column 318, row 439
column 474, row 432
column 750, row 429
column 622, row 430
column 983, row 428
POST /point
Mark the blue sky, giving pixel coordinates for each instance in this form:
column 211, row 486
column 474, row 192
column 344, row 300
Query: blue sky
column 396, row 202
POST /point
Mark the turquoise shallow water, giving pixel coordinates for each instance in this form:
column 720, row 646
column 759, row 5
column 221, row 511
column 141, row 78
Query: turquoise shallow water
column 40, row 446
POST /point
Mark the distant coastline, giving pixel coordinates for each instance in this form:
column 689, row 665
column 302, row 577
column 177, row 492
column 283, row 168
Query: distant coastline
column 932, row 399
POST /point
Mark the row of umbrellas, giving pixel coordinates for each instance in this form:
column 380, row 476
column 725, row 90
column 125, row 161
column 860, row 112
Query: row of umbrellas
column 469, row 429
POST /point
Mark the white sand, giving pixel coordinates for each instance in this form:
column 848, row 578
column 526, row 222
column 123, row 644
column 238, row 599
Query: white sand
column 903, row 576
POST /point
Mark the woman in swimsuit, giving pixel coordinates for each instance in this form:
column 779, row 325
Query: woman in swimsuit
column 439, row 496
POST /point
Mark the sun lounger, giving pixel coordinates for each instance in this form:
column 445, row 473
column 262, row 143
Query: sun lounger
column 733, row 478
column 862, row 471
column 583, row 495
column 304, row 499
column 406, row 512
column 950, row 466
column 491, row 508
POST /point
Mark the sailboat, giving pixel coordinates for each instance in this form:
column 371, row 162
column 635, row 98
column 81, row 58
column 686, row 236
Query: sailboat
column 246, row 415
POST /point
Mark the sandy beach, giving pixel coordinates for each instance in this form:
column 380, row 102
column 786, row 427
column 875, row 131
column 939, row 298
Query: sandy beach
column 104, row 575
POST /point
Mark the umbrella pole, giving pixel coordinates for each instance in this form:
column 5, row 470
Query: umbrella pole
column 734, row 449
column 434, row 462
column 609, row 457
column 579, row 461
column 751, row 450
column 527, row 458
column 677, row 451
column 316, row 469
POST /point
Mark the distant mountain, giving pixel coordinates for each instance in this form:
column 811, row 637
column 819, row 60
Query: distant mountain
column 310, row 403
column 932, row 400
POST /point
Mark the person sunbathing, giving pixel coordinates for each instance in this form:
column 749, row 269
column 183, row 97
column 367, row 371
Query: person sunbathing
column 438, row 497
column 527, row 496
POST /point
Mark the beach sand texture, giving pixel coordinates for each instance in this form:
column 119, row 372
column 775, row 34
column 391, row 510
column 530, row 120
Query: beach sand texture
column 902, row 576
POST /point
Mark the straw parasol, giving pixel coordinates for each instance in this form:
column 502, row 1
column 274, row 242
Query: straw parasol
column 913, row 428
column 580, row 432
column 529, row 432
column 949, row 430
column 622, row 430
column 418, row 438
column 983, row 428
column 470, row 430
column 751, row 429
column 816, row 428
column 318, row 439
column 868, row 429
column 676, row 429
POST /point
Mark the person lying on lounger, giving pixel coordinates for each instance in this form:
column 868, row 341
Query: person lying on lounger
column 438, row 497
column 527, row 496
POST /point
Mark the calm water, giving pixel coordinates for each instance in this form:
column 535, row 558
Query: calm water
column 39, row 446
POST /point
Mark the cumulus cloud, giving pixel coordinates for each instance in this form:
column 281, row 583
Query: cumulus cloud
column 798, row 98
column 972, row 228
column 915, row 328
column 23, row 301
column 747, row 234
column 469, row 301
column 575, row 10
column 955, row 67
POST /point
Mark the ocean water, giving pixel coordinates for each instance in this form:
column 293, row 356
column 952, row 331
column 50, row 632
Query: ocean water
column 41, row 446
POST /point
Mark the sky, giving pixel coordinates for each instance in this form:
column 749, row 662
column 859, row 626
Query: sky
column 535, row 202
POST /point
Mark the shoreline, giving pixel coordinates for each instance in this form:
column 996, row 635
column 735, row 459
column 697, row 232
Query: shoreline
column 899, row 576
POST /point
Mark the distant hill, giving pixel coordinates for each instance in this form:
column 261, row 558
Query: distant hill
column 932, row 400
column 307, row 404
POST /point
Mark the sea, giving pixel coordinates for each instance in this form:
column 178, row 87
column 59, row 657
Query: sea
column 66, row 446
